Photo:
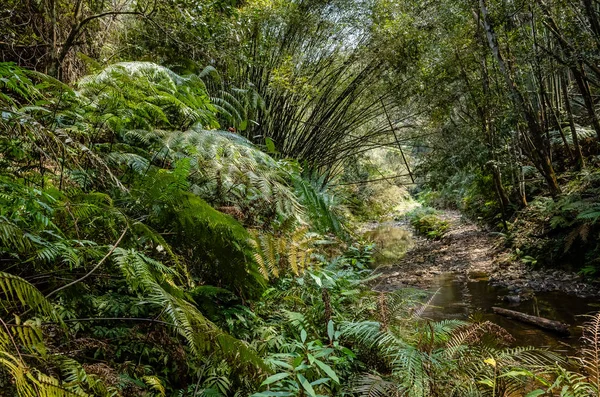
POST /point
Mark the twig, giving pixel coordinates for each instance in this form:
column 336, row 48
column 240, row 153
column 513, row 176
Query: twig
column 95, row 267
column 419, row 312
column 150, row 320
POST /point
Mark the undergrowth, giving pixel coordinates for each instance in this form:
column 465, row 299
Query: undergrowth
column 145, row 252
column 427, row 221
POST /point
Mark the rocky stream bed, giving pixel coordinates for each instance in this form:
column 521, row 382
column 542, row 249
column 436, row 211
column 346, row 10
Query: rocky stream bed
column 470, row 273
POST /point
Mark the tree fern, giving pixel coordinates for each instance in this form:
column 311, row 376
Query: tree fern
column 149, row 96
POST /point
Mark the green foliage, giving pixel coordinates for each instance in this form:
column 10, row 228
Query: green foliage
column 562, row 231
column 281, row 255
column 308, row 366
column 427, row 222
column 173, row 239
column 585, row 381
column 146, row 252
column 360, row 255
column 450, row 358
column 322, row 207
column 140, row 95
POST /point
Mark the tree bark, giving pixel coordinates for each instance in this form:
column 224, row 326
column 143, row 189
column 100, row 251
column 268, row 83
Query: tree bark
column 579, row 161
column 584, row 89
column 539, row 322
column 518, row 153
column 592, row 18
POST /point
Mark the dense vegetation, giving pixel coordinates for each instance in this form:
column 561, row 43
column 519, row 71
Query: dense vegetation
column 181, row 183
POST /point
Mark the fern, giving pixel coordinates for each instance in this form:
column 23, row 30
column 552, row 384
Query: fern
column 279, row 255
column 590, row 215
column 375, row 386
column 154, row 282
column 148, row 96
column 17, row 289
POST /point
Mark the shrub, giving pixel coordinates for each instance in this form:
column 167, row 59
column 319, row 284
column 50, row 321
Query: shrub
column 427, row 222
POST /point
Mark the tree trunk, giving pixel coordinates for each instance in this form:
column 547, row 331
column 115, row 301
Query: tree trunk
column 520, row 174
column 539, row 322
column 584, row 89
column 539, row 153
column 576, row 67
column 500, row 192
column 592, row 18
column 580, row 163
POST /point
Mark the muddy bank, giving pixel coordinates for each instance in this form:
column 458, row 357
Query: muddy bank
column 469, row 273
column 473, row 253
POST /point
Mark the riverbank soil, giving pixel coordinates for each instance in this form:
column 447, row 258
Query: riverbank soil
column 472, row 253
column 469, row 272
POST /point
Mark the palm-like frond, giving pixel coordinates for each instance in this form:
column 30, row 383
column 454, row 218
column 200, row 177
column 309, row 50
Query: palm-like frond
column 277, row 255
column 17, row 289
column 375, row 386
column 141, row 94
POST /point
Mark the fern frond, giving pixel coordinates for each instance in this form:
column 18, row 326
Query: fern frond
column 374, row 386
column 17, row 289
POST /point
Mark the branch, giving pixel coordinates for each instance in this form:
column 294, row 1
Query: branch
column 149, row 320
column 372, row 180
column 95, row 267
column 77, row 28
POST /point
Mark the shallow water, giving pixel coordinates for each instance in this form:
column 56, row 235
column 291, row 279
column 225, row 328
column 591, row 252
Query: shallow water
column 470, row 298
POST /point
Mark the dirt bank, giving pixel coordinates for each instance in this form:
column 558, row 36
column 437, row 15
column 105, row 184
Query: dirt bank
column 470, row 251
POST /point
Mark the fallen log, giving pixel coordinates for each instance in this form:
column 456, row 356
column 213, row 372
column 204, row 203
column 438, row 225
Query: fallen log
column 540, row 322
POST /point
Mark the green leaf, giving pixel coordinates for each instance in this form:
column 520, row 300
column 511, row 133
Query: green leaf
column 516, row 373
column 303, row 335
column 270, row 145
column 348, row 352
column 330, row 330
column 275, row 378
column 320, row 381
column 282, row 364
column 535, row 393
column 323, row 352
column 328, row 370
column 317, row 280
column 306, row 385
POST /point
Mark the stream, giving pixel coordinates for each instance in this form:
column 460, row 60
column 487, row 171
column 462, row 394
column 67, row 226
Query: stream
column 457, row 269
column 460, row 298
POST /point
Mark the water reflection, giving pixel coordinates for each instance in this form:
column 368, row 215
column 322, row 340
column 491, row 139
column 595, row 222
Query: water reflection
column 463, row 299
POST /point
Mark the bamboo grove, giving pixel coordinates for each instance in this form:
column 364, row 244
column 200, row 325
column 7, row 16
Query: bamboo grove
column 182, row 182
